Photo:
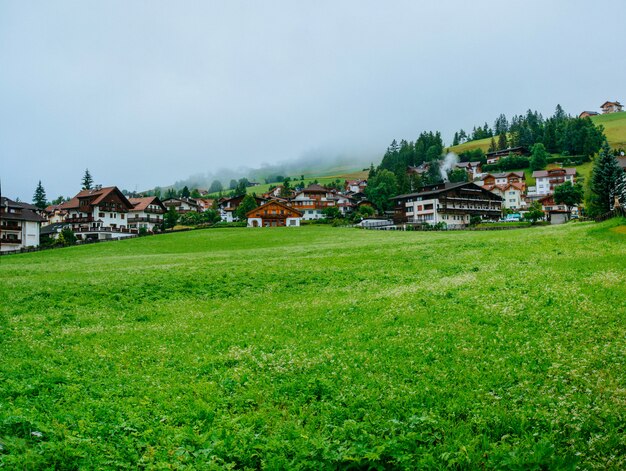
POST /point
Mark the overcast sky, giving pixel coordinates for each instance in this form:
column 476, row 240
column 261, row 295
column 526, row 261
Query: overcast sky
column 146, row 93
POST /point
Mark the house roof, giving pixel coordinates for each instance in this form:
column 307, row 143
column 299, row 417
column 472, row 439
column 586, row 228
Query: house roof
column 278, row 203
column 314, row 188
column 98, row 195
column 26, row 213
column 441, row 187
column 506, row 174
column 142, row 203
column 546, row 173
column 592, row 113
column 609, row 103
column 506, row 151
column 468, row 164
column 54, row 227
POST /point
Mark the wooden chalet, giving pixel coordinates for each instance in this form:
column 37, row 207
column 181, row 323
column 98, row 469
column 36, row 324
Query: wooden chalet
column 274, row 214
column 451, row 203
column 588, row 114
column 100, row 213
column 147, row 213
column 611, row 107
column 312, row 200
column 504, row 178
column 494, row 156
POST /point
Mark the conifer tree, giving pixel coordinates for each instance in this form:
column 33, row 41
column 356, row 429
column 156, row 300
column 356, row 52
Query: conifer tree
column 605, row 182
column 39, row 198
column 87, row 180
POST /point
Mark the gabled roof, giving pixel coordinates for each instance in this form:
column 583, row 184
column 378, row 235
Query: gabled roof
column 439, row 188
column 314, row 188
column 591, row 113
column 142, row 203
column 609, row 103
column 546, row 173
column 97, row 194
column 26, row 213
column 278, row 203
column 506, row 175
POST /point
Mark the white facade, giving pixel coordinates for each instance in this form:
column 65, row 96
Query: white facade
column 26, row 234
column 513, row 197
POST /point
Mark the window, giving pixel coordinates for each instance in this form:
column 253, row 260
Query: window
column 122, row 216
column 100, row 215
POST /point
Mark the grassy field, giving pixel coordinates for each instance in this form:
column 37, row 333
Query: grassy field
column 318, row 348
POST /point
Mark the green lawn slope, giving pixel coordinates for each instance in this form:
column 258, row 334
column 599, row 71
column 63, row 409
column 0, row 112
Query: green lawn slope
column 614, row 129
column 318, row 348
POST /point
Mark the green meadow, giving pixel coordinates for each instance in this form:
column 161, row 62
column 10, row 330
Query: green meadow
column 318, row 348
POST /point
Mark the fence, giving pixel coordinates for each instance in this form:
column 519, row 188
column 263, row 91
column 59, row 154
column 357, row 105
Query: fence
column 614, row 213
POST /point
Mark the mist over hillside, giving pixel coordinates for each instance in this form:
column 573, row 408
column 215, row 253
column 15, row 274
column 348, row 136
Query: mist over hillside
column 314, row 163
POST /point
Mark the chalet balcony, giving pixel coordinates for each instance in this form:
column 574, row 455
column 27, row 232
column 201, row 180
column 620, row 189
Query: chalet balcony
column 557, row 181
column 117, row 230
column 79, row 220
column 11, row 226
column 6, row 240
column 155, row 220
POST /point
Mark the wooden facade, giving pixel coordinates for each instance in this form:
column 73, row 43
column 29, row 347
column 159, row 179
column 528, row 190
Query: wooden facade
column 274, row 214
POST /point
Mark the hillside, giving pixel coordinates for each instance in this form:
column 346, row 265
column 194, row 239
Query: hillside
column 322, row 178
column 317, row 348
column 614, row 129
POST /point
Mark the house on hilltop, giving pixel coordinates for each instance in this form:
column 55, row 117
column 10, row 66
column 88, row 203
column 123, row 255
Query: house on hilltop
column 450, row 203
column 611, row 107
column 494, row 156
column 274, row 214
column 588, row 114
column 19, row 225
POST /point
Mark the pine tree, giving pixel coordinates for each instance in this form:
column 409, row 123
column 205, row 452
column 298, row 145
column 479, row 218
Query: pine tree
column 87, row 180
column 39, row 198
column 502, row 142
column 185, row 192
column 538, row 157
column 455, row 140
column 606, row 178
column 492, row 145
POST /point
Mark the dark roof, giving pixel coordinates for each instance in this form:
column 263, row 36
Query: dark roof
column 26, row 211
column 592, row 113
column 505, row 174
column 610, row 103
column 438, row 188
column 545, row 173
column 52, row 228
column 506, row 151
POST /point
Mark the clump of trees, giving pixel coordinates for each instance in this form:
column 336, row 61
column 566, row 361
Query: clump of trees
column 607, row 183
column 560, row 133
column 569, row 194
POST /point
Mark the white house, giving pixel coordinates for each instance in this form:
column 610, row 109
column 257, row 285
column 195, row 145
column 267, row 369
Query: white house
column 451, row 203
column 100, row 213
column 19, row 225
column 548, row 180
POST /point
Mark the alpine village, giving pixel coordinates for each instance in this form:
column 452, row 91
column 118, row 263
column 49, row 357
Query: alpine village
column 534, row 170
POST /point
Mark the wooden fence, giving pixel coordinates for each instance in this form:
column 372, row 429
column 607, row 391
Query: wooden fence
column 614, row 213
